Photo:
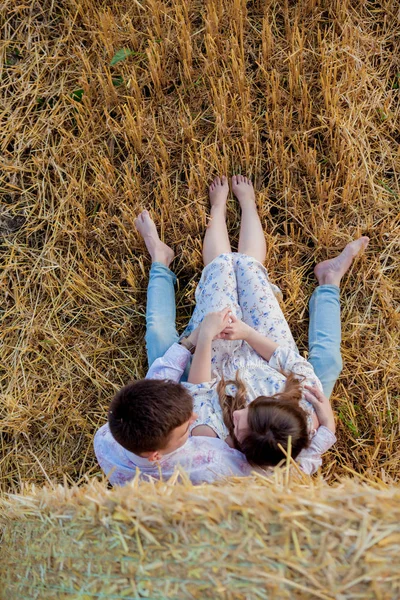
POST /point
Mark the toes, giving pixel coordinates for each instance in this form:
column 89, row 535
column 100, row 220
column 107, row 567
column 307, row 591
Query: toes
column 234, row 179
column 218, row 180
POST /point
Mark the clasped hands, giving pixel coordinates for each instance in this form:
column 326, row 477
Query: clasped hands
column 223, row 325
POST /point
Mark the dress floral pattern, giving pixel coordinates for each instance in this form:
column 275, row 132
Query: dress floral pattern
column 241, row 282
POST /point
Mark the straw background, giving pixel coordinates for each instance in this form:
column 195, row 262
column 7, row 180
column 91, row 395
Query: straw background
column 301, row 96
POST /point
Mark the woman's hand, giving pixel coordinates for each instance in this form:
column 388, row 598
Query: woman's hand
column 235, row 330
column 214, row 322
column 321, row 405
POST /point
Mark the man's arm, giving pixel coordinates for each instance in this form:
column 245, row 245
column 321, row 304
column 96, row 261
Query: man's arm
column 172, row 365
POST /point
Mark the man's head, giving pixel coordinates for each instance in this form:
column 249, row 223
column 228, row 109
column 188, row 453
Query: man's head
column 151, row 417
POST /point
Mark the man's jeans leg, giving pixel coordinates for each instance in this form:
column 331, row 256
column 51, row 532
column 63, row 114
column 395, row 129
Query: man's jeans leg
column 324, row 335
column 160, row 312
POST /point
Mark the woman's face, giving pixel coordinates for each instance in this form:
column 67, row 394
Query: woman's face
column 240, row 423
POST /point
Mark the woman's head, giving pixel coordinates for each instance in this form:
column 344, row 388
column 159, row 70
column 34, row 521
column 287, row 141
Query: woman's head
column 259, row 428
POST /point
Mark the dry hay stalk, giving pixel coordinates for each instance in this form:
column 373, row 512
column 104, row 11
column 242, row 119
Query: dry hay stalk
column 302, row 96
column 259, row 538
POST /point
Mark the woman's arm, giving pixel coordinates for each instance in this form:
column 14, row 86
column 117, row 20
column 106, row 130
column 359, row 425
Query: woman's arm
column 263, row 345
column 200, row 369
column 211, row 327
column 238, row 330
column 204, row 430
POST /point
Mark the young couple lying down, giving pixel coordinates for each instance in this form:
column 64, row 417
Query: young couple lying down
column 233, row 393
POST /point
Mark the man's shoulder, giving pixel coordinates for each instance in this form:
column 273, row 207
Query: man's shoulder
column 212, row 459
column 102, row 434
column 213, row 447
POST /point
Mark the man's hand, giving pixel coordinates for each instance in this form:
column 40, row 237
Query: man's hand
column 235, row 330
column 321, row 405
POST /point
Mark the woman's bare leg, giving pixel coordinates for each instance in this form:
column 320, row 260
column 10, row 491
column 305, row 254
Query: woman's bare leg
column 251, row 237
column 216, row 239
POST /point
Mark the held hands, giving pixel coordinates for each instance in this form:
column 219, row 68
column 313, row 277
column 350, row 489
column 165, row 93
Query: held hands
column 215, row 322
column 223, row 325
column 321, row 405
column 235, row 330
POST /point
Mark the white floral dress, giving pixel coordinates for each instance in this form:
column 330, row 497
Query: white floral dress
column 241, row 282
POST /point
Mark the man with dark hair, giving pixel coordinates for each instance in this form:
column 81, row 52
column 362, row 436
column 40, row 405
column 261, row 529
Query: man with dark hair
column 148, row 431
column 151, row 417
column 149, row 420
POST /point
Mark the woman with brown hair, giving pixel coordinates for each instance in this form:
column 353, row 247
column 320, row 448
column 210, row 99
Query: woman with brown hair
column 250, row 385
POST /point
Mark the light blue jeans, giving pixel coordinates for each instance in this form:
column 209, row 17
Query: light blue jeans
column 324, row 333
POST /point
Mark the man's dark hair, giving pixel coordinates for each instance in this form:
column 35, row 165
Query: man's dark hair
column 144, row 413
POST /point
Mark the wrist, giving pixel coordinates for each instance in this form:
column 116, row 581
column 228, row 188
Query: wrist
column 188, row 344
column 204, row 336
column 330, row 424
column 248, row 333
column 327, row 421
column 193, row 337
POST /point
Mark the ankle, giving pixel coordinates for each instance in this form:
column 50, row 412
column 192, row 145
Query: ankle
column 329, row 279
column 218, row 208
column 160, row 260
column 248, row 205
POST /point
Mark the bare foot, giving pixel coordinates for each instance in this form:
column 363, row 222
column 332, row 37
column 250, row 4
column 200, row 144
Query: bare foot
column 158, row 251
column 243, row 189
column 331, row 271
column 219, row 190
